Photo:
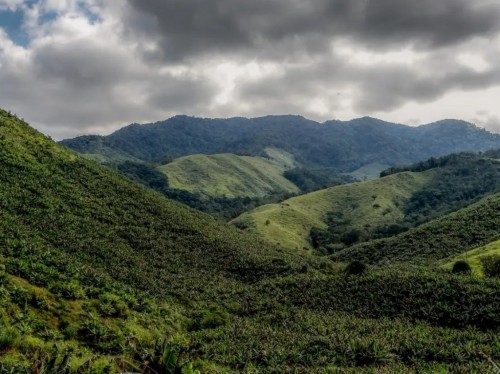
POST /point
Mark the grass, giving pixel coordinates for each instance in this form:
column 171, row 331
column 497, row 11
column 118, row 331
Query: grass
column 447, row 236
column 372, row 203
column 369, row 171
column 473, row 257
column 231, row 176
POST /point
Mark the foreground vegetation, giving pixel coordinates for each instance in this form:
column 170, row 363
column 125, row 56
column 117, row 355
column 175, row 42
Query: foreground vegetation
column 101, row 275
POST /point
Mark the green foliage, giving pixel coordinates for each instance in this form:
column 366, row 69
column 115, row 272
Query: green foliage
column 355, row 268
column 309, row 180
column 102, row 268
column 491, row 266
column 8, row 336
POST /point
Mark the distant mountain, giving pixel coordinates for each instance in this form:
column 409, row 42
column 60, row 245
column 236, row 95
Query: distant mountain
column 345, row 146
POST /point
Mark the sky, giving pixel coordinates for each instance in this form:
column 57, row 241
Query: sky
column 73, row 67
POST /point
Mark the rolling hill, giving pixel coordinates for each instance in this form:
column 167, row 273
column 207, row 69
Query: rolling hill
column 102, row 275
column 369, row 203
column 231, row 176
column 345, row 146
column 338, row 217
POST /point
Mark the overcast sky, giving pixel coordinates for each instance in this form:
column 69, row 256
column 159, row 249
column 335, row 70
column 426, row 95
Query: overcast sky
column 73, row 67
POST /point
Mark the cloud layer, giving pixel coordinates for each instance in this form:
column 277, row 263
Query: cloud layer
column 94, row 65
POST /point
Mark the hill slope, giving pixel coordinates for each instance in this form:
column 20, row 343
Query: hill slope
column 230, row 176
column 473, row 257
column 342, row 216
column 371, row 203
column 468, row 228
column 346, row 146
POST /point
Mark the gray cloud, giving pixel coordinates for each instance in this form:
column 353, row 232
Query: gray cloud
column 145, row 60
column 379, row 86
column 85, row 85
column 190, row 28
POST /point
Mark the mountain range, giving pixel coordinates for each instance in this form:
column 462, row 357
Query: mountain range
column 344, row 146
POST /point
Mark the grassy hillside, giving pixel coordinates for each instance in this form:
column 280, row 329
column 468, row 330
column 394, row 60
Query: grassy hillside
column 231, row 176
column 369, row 171
column 100, row 275
column 372, row 203
column 474, row 256
column 447, row 236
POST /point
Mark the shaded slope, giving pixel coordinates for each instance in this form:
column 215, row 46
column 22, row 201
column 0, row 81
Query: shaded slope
column 230, row 176
column 74, row 207
column 371, row 203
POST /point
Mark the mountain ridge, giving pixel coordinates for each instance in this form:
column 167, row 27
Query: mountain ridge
column 341, row 145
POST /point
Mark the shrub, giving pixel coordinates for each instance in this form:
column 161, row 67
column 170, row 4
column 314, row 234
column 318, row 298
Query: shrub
column 355, row 268
column 491, row 266
column 110, row 305
column 71, row 290
column 461, row 267
column 8, row 336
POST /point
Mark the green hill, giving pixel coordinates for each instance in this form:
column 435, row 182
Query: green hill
column 333, row 219
column 372, row 203
column 231, row 176
column 101, row 275
column 455, row 233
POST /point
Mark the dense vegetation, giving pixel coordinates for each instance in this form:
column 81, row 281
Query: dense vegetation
column 308, row 180
column 101, row 275
column 345, row 146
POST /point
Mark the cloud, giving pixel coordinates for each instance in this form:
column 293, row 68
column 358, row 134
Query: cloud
column 190, row 28
column 73, row 80
column 91, row 66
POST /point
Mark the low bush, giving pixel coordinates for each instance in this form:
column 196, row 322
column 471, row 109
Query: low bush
column 461, row 267
column 491, row 266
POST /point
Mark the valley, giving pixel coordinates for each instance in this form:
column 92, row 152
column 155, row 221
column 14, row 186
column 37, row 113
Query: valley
column 102, row 274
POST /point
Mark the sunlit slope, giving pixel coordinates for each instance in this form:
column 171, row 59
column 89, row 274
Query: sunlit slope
column 369, row 171
column 231, row 176
column 473, row 257
column 371, row 203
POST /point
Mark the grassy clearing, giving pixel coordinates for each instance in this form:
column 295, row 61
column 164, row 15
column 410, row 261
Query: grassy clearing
column 371, row 203
column 474, row 256
column 231, row 176
column 369, row 171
